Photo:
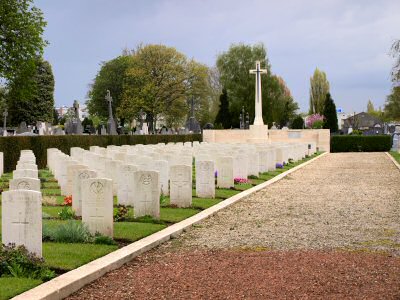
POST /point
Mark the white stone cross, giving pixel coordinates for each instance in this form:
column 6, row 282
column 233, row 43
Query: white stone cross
column 258, row 120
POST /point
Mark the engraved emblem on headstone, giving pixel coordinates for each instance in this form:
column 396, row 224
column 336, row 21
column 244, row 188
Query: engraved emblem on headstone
column 97, row 187
column 146, row 179
column 23, row 185
column 84, row 175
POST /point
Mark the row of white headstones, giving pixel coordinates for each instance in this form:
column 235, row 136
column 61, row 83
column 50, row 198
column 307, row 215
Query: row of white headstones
column 137, row 175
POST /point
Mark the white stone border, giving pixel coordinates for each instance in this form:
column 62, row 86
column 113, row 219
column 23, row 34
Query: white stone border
column 393, row 160
column 68, row 283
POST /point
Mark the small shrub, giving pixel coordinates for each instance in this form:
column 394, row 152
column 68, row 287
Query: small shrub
column 70, row 232
column 360, row 143
column 253, row 177
column 18, row 262
column 104, row 240
column 66, row 213
column 121, row 214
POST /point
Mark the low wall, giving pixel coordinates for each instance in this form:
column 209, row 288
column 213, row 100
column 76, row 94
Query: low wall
column 320, row 136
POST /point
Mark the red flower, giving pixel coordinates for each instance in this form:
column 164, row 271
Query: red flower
column 68, row 201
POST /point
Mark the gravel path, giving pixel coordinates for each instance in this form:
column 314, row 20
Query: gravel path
column 288, row 241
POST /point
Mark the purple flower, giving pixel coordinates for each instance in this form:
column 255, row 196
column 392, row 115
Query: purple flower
column 279, row 166
column 240, row 180
column 216, row 174
column 311, row 119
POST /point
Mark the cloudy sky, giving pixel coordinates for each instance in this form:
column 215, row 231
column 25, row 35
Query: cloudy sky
column 349, row 40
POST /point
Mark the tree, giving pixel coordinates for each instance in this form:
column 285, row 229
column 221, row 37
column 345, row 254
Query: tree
column 319, row 87
column 395, row 52
column 370, row 107
column 233, row 66
column 376, row 113
column 330, row 120
column 392, row 105
column 21, row 29
column 223, row 117
column 159, row 81
column 31, row 98
column 298, row 123
column 110, row 77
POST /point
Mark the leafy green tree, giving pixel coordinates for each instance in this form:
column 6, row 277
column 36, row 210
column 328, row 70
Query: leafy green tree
column 21, row 41
column 376, row 113
column 370, row 107
column 298, row 123
column 392, row 105
column 56, row 117
column 31, row 98
column 234, row 65
column 223, row 117
column 157, row 83
column 110, row 77
column 319, row 87
column 330, row 120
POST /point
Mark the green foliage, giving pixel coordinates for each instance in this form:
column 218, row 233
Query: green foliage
column 12, row 145
column 70, row 232
column 104, row 240
column 392, row 105
column 66, row 213
column 298, row 123
column 31, row 95
column 110, row 77
column 121, row 214
column 356, row 143
column 330, row 121
column 234, row 66
column 223, row 116
column 11, row 286
column 18, row 262
column 21, row 30
column 319, row 87
column 319, row 124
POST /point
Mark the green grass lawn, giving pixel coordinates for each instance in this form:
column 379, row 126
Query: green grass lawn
column 11, row 286
column 70, row 256
column 133, row 231
column 396, row 156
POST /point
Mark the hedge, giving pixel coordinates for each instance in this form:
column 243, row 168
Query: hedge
column 360, row 143
column 12, row 146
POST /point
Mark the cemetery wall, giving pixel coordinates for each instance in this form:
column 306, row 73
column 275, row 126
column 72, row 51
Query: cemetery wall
column 361, row 143
column 320, row 136
column 11, row 146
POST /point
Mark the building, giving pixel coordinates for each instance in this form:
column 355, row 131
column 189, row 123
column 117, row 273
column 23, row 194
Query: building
column 369, row 125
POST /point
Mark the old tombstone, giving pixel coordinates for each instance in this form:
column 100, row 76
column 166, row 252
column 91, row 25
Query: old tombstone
column 1, row 163
column 225, row 172
column 25, row 173
column 111, row 128
column 163, row 168
column 97, row 205
column 126, row 192
column 180, row 185
column 70, row 176
column 25, row 183
column 22, row 219
column 78, row 177
column 205, row 179
column 147, row 188
column 22, row 128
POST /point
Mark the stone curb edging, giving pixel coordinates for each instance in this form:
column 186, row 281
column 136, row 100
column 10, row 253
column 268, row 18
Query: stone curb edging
column 68, row 283
column 393, row 160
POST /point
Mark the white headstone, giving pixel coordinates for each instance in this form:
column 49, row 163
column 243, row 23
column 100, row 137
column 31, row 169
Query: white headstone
column 163, row 168
column 22, row 219
column 205, row 179
column 180, row 185
column 25, row 173
column 78, row 177
column 97, row 205
column 25, row 183
column 225, row 172
column 126, row 179
column 147, row 188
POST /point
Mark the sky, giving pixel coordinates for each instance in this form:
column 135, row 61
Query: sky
column 349, row 40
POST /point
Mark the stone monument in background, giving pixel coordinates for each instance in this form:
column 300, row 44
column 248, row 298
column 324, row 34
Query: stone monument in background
column 111, row 128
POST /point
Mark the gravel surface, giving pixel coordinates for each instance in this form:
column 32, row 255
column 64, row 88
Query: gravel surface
column 328, row 231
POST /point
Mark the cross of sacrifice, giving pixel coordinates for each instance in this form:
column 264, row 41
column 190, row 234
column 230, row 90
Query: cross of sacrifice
column 109, row 100
column 258, row 120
